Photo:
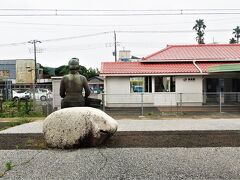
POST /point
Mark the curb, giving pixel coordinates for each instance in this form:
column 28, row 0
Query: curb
column 134, row 139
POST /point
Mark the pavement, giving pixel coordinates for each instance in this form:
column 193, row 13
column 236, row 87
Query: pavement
column 123, row 163
column 149, row 125
column 129, row 163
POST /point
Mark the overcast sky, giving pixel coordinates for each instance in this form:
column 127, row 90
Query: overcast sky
column 92, row 50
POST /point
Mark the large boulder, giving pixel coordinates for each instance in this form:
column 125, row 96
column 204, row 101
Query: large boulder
column 78, row 127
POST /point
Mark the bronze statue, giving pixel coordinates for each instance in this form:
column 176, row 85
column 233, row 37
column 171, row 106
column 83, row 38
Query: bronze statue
column 72, row 85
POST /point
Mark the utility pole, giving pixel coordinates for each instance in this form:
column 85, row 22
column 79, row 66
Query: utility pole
column 115, row 46
column 35, row 69
column 35, row 57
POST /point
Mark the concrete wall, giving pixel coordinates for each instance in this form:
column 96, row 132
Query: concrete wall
column 165, row 98
column 186, row 84
column 55, row 90
column 117, row 85
column 117, row 93
column 191, row 88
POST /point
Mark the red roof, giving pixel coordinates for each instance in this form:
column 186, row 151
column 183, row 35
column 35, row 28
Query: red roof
column 146, row 68
column 203, row 52
column 118, row 68
column 177, row 59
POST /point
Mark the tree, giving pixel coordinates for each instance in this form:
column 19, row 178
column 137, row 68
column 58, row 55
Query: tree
column 92, row 72
column 88, row 73
column 232, row 41
column 83, row 71
column 61, row 70
column 236, row 33
column 46, row 73
column 199, row 28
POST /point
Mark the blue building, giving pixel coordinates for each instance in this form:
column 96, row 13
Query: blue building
column 16, row 74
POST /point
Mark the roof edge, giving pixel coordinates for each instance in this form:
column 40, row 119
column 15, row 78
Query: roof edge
column 186, row 45
column 156, row 74
column 187, row 60
column 164, row 49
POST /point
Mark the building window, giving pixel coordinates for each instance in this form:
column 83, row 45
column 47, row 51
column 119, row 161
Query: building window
column 164, row 84
column 4, row 74
column 140, row 84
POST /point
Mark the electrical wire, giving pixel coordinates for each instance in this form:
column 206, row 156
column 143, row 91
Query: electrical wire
column 58, row 39
column 115, row 15
column 116, row 12
column 179, row 31
column 123, row 10
column 76, row 37
column 108, row 25
column 109, row 32
column 14, row 44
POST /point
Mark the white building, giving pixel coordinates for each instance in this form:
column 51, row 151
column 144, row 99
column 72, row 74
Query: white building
column 176, row 74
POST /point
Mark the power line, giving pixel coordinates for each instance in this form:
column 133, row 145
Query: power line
column 109, row 25
column 123, row 10
column 59, row 39
column 76, row 37
column 178, row 31
column 116, row 12
column 110, row 32
column 14, row 44
column 115, row 15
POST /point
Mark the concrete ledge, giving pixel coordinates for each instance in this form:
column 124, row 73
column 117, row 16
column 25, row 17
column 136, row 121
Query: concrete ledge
column 22, row 141
column 222, row 138
column 175, row 139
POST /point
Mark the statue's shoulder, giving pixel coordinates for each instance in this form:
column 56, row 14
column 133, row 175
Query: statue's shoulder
column 66, row 77
column 82, row 77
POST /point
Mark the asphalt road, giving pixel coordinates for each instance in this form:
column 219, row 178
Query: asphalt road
column 123, row 163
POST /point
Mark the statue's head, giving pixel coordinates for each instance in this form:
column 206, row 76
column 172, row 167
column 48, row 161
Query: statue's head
column 74, row 64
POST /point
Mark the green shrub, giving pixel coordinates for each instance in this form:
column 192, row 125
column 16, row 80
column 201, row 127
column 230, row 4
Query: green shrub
column 19, row 108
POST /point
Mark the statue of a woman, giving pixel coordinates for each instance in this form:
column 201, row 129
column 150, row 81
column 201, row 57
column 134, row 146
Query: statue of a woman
column 72, row 85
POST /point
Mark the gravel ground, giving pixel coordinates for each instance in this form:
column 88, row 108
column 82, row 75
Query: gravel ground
column 123, row 163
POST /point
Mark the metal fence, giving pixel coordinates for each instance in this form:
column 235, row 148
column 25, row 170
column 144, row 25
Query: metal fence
column 143, row 103
column 139, row 103
column 26, row 100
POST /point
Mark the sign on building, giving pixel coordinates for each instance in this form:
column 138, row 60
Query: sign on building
column 4, row 74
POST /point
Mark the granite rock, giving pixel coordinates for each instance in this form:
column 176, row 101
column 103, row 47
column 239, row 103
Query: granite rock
column 78, row 127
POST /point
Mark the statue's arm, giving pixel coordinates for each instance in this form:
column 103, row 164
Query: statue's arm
column 62, row 89
column 86, row 88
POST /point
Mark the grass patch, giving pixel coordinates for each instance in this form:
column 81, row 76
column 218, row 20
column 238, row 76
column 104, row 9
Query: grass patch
column 11, row 122
column 20, row 108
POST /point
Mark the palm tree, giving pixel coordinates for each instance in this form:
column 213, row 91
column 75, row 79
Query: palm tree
column 236, row 33
column 199, row 28
column 232, row 41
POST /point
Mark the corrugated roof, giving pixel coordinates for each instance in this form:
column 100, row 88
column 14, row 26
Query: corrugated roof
column 146, row 68
column 111, row 68
column 203, row 52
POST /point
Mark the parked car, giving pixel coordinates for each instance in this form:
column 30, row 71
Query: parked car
column 41, row 94
column 137, row 89
column 20, row 94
